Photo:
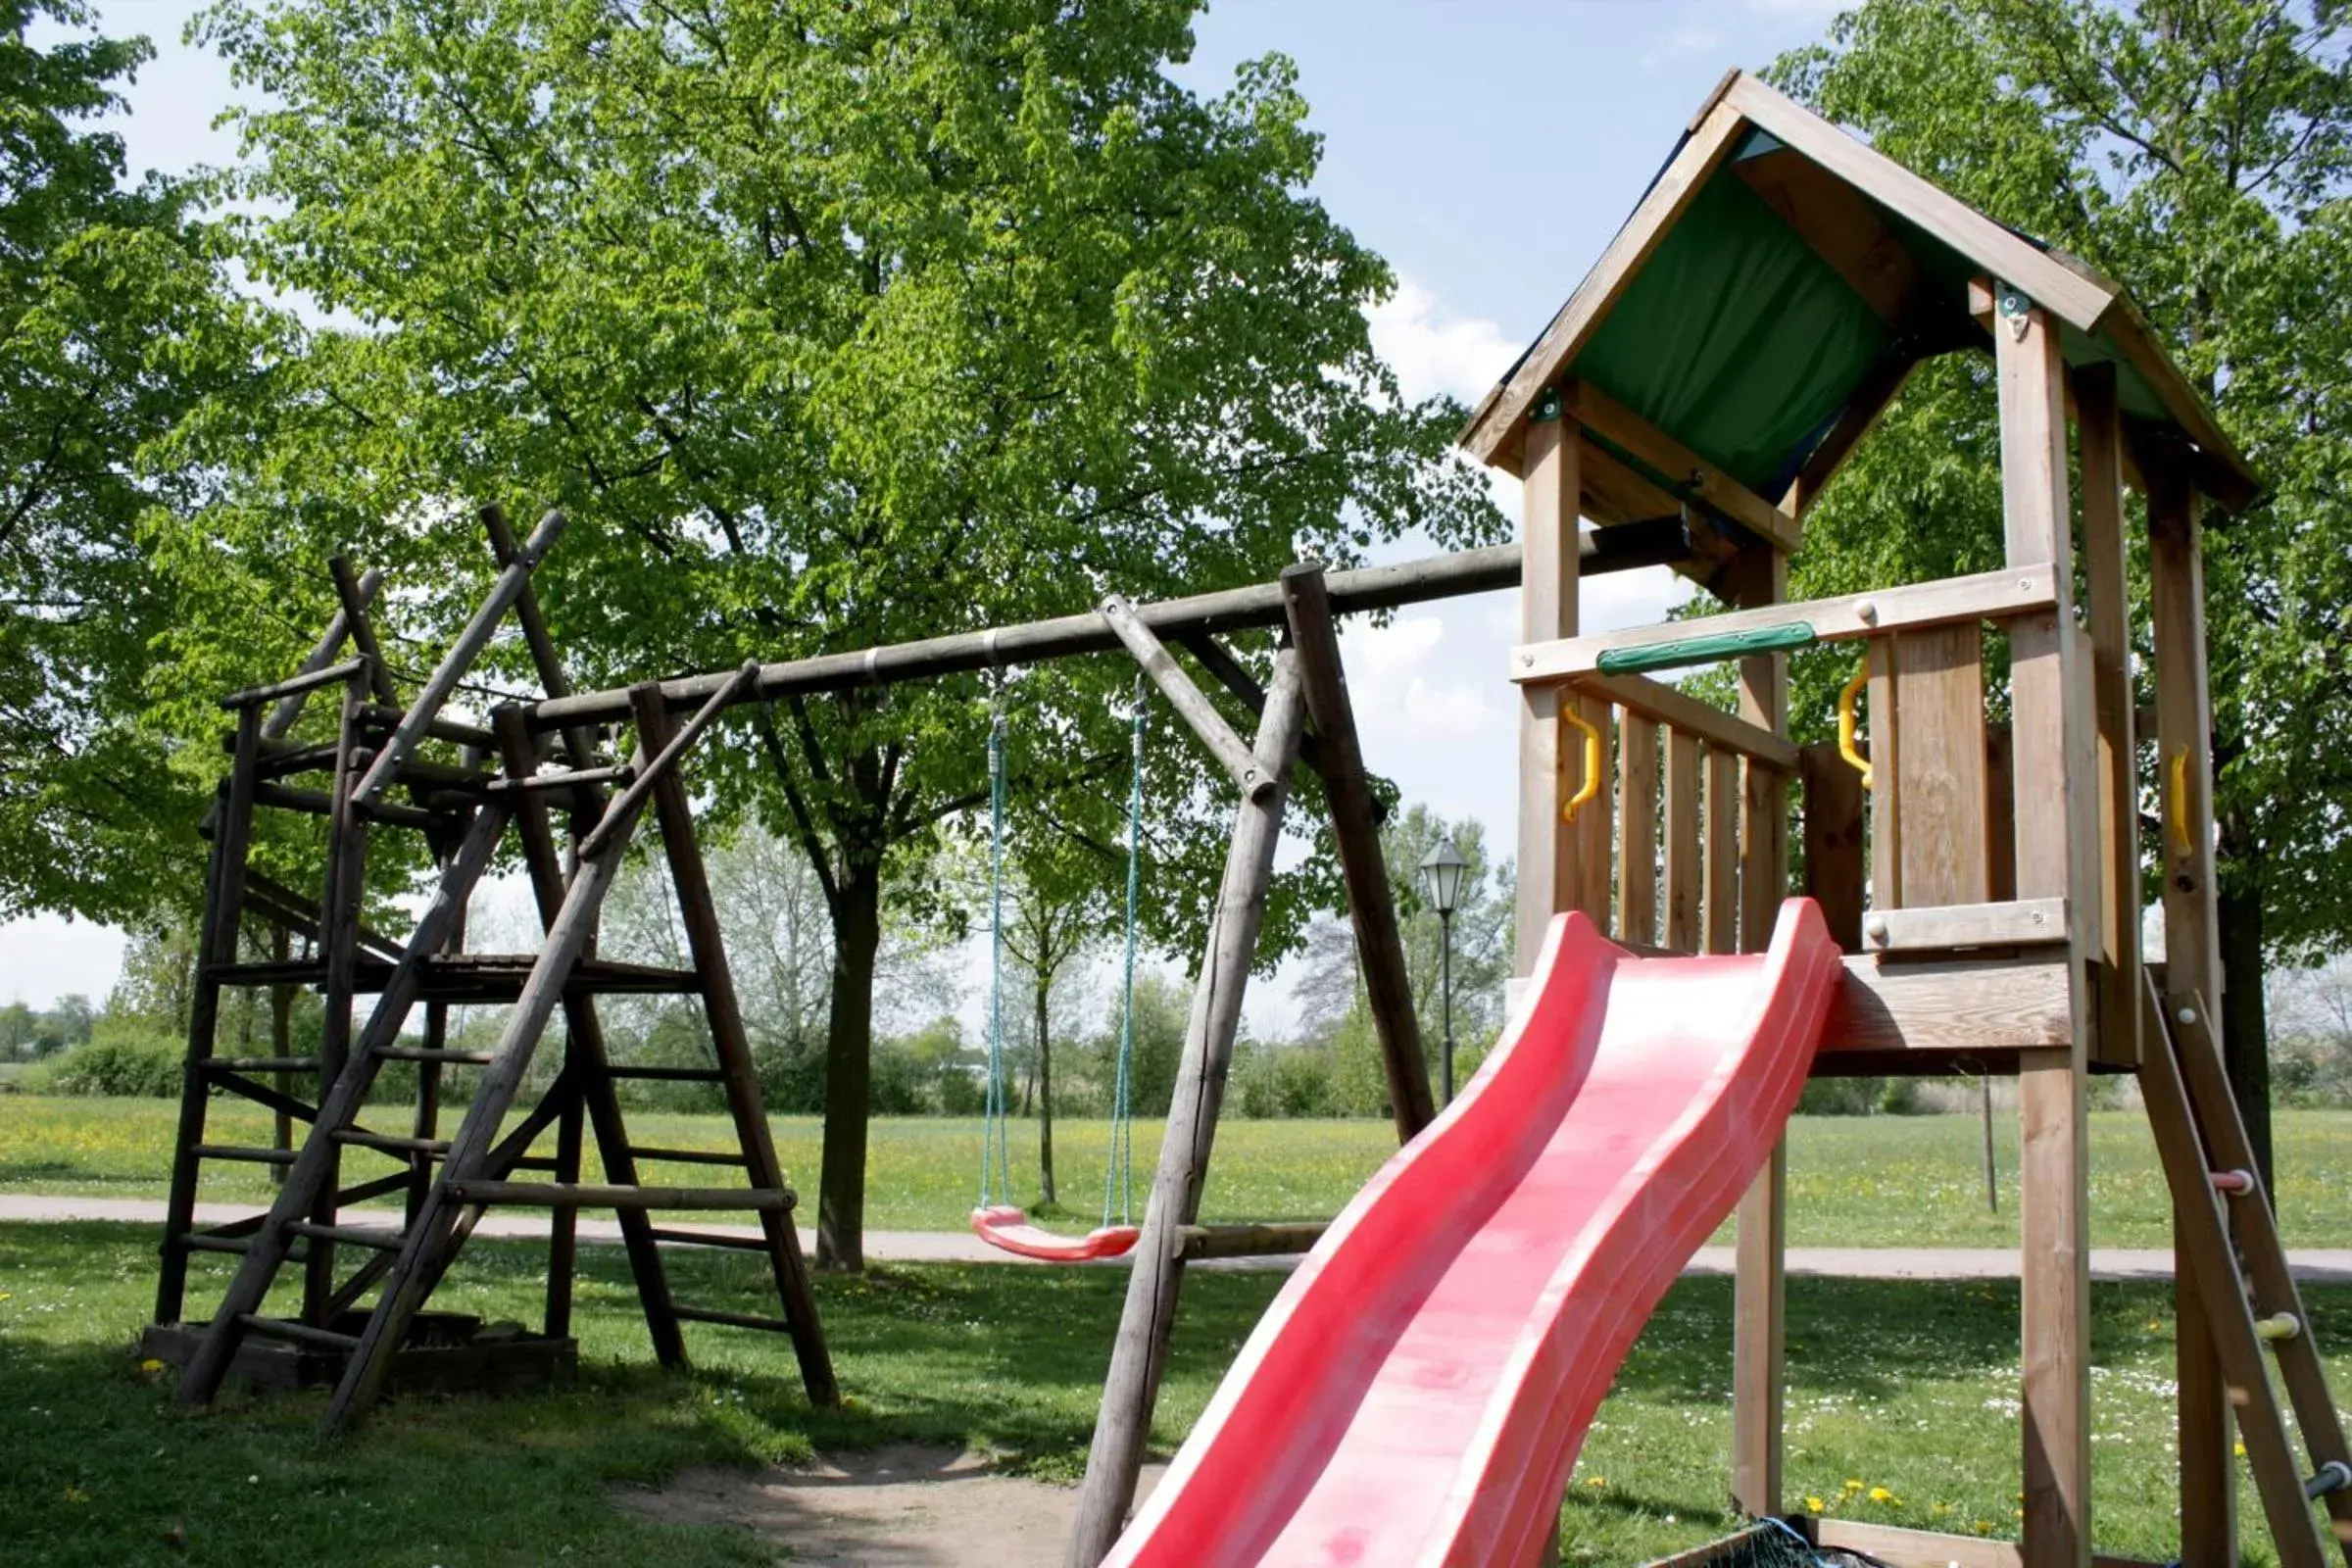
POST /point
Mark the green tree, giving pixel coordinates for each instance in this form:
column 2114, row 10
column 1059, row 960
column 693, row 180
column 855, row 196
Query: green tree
column 116, row 319
column 832, row 325
column 2200, row 151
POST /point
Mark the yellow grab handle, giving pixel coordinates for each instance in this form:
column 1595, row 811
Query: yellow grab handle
column 1592, row 784
column 1845, row 721
column 2176, row 805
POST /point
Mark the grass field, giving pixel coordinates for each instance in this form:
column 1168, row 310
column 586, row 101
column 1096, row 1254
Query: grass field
column 1877, row 1181
column 1902, row 1389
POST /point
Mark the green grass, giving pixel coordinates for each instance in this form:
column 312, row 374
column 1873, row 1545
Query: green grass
column 1909, row 1388
column 1877, row 1181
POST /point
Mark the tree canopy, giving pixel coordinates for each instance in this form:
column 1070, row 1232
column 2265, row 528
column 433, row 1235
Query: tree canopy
column 2200, row 152
column 831, row 326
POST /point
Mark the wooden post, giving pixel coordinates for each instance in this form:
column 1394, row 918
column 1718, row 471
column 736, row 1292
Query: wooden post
column 731, row 1043
column 1886, row 774
column 2098, row 422
column 1371, row 905
column 2056, row 828
column 1548, row 610
column 339, row 950
column 224, row 909
column 1720, row 878
column 1131, row 1387
column 1192, row 705
column 1834, row 859
column 2192, row 962
column 1759, row 1320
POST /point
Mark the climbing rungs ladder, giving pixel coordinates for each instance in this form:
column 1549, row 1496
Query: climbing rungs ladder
column 2256, row 1313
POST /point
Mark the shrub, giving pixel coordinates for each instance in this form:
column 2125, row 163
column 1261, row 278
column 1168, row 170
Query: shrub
column 121, row 1056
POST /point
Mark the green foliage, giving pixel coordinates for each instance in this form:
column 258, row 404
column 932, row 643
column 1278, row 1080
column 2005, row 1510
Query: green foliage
column 126, row 1057
column 116, row 321
column 28, row 1034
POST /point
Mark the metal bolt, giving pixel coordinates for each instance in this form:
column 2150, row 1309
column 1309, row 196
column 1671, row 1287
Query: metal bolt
column 1867, row 613
column 2187, row 1015
column 1877, row 927
column 1527, row 661
column 2040, row 918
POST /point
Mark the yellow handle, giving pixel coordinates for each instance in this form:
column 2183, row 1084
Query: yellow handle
column 2176, row 805
column 1592, row 784
column 1845, row 721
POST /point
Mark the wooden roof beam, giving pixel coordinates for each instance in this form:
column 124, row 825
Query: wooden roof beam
column 1705, row 484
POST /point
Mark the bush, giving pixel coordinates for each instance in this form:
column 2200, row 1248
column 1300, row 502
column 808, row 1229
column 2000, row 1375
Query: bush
column 1841, row 1097
column 121, row 1056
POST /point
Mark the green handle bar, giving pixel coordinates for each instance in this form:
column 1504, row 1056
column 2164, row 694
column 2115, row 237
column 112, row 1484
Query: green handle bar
column 1706, row 648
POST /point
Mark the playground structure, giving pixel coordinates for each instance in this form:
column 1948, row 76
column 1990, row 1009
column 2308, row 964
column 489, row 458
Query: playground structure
column 1766, row 301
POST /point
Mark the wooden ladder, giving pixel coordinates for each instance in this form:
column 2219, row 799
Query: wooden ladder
column 2255, row 1312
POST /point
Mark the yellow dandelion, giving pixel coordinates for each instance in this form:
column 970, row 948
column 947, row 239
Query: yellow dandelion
column 2155, row 1325
column 2242, row 1450
column 1943, row 1508
column 1881, row 1495
column 1983, row 1527
column 1851, row 1485
column 77, row 1494
column 1814, row 1505
column 1595, row 1482
column 151, row 1366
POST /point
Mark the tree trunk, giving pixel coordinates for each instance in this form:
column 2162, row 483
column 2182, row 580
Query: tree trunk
column 1045, row 1097
column 849, row 1067
column 2245, row 1028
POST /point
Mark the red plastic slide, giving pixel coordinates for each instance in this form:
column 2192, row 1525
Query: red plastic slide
column 1418, row 1390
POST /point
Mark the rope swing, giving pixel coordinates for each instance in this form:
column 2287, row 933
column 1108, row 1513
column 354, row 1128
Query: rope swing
column 1005, row 1224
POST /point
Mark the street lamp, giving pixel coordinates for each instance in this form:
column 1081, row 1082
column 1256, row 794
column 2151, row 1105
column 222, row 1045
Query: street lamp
column 1442, row 872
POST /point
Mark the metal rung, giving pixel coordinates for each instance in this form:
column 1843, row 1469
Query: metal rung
column 2334, row 1476
column 741, row 1243
column 257, row 1065
column 2235, row 1183
column 458, row 1059
column 278, row 1328
column 382, row 1241
column 692, row 1157
column 738, row 1320
column 682, row 1075
column 244, row 1152
column 390, row 1144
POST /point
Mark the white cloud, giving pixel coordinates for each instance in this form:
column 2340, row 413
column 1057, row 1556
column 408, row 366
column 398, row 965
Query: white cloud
column 1684, row 38
column 1409, row 687
column 1434, row 352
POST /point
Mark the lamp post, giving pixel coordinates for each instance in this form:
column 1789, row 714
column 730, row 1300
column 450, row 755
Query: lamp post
column 1442, row 872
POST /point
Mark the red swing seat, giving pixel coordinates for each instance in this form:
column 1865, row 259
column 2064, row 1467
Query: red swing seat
column 1002, row 1225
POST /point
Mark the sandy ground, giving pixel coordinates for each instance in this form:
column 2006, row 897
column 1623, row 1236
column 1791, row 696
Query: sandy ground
column 902, row 1507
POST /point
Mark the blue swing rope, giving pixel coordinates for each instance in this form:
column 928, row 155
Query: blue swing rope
column 1120, row 1173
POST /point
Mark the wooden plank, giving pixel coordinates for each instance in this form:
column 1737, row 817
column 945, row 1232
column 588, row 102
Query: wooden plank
column 2000, row 815
column 1636, row 829
column 2220, row 470
column 2056, row 828
column 1929, row 1548
column 1930, row 928
column 1192, row 705
column 1486, row 434
column 1986, row 596
column 1835, row 873
column 1547, row 608
column 621, row 1197
column 1885, row 756
column 2100, row 456
column 1131, row 1387
column 1708, row 485
column 1761, row 578
column 1249, row 1241
column 1973, row 1003
column 2077, row 300
column 731, row 1042
column 1842, row 228
column 1669, row 706
column 1720, row 892
column 1759, row 1338
column 1355, row 830
column 1940, row 776
column 2193, row 953
column 1684, row 879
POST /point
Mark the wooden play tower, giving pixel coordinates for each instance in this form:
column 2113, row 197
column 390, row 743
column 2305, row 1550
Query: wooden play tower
column 1766, row 301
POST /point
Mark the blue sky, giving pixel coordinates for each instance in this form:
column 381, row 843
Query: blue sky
column 1487, row 150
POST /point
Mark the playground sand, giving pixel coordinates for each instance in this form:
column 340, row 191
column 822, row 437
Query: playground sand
column 906, row 1506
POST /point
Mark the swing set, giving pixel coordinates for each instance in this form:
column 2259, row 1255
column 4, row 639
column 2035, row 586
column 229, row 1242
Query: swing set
column 1007, row 1224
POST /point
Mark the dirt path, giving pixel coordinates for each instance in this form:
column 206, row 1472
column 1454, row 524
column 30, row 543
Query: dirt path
column 2311, row 1265
column 901, row 1506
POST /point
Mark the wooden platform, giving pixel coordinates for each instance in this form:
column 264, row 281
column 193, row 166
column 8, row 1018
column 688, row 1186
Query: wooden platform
column 447, row 1353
